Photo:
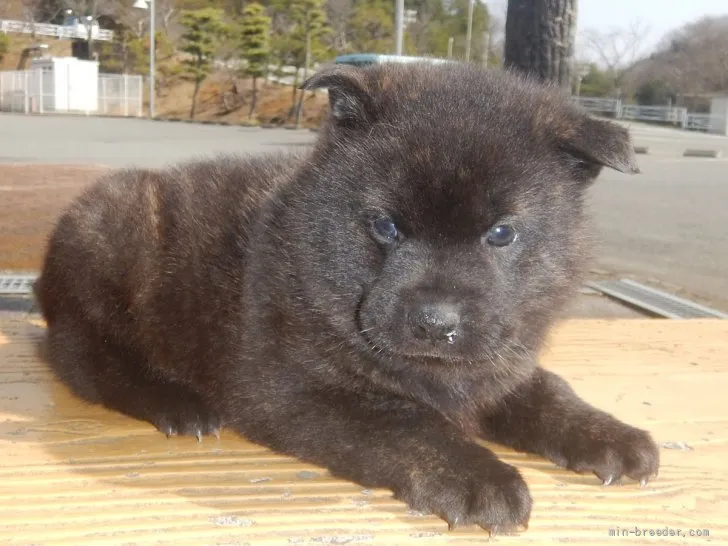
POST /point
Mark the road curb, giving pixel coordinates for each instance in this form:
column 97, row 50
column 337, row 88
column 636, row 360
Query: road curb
column 690, row 152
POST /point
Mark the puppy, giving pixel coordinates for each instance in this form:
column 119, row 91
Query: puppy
column 374, row 306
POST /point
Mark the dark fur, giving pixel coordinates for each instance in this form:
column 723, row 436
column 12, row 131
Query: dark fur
column 253, row 293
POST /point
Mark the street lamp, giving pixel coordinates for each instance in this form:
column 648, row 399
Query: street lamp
column 149, row 4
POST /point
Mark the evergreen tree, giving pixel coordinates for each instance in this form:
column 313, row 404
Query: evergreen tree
column 204, row 30
column 371, row 28
column 4, row 46
column 255, row 46
column 303, row 27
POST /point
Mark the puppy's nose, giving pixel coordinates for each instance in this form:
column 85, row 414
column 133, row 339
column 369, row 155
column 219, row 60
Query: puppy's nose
column 434, row 321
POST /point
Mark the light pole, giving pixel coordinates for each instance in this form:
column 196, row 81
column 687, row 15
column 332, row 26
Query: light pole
column 399, row 26
column 469, row 36
column 150, row 5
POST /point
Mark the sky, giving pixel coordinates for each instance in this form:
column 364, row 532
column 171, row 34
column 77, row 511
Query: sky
column 657, row 16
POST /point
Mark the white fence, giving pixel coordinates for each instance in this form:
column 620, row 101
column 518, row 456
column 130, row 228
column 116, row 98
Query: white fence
column 121, row 95
column 32, row 92
column 663, row 114
column 674, row 115
column 68, row 32
column 600, row 105
column 706, row 123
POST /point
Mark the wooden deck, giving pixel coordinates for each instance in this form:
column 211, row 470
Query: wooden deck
column 74, row 474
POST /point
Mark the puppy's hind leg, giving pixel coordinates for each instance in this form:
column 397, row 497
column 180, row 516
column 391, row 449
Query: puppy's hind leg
column 103, row 372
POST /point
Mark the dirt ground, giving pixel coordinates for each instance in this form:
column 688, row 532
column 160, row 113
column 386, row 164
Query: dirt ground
column 274, row 103
column 31, row 199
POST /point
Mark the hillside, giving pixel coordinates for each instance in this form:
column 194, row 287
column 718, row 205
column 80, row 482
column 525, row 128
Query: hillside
column 274, row 103
column 175, row 95
column 692, row 61
column 18, row 42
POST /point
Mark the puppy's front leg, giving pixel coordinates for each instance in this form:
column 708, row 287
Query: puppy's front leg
column 378, row 440
column 546, row 417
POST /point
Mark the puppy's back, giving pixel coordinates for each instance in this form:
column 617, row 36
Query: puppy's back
column 142, row 247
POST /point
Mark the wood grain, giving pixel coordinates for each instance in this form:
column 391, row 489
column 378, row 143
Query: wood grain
column 76, row 474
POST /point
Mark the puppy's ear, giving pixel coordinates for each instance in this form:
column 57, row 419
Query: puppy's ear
column 349, row 99
column 597, row 143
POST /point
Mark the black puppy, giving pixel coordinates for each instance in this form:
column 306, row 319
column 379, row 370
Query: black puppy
column 373, row 307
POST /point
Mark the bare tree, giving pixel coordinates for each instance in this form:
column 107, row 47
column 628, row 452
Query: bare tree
column 540, row 39
column 497, row 12
column 690, row 61
column 339, row 13
column 88, row 12
column 616, row 49
column 494, row 34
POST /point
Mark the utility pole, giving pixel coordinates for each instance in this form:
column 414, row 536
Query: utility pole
column 469, row 36
column 399, row 26
column 486, row 47
column 152, row 55
column 150, row 5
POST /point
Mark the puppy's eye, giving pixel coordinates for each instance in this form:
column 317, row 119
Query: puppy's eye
column 500, row 235
column 385, row 230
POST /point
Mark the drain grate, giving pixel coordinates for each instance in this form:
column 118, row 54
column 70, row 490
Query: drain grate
column 17, row 284
column 655, row 301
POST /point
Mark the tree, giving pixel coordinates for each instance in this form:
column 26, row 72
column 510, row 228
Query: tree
column 42, row 10
column 4, row 46
column 437, row 23
column 654, row 92
column 300, row 27
column 88, row 13
column 310, row 19
column 203, row 31
column 616, row 50
column 124, row 54
column 596, row 83
column 128, row 53
column 540, row 39
column 371, row 27
column 689, row 62
column 339, row 13
column 255, row 46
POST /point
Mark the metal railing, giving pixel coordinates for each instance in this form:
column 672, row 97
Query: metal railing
column 600, row 105
column 673, row 115
column 662, row 114
column 704, row 122
column 79, row 32
column 34, row 92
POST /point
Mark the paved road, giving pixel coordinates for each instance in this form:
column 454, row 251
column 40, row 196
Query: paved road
column 667, row 142
column 121, row 142
column 666, row 226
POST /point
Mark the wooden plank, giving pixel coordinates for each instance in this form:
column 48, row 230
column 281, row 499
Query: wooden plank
column 76, row 474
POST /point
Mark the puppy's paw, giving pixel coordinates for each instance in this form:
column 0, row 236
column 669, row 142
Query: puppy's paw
column 186, row 415
column 493, row 496
column 611, row 452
